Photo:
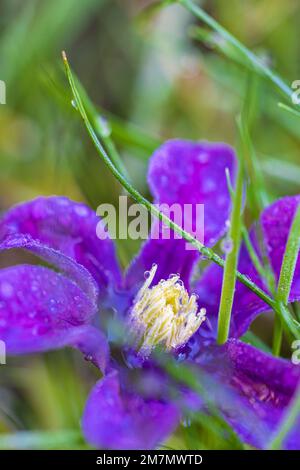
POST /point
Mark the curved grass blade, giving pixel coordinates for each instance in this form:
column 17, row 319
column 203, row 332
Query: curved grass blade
column 249, row 58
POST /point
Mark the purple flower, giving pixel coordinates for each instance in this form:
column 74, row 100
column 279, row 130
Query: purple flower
column 43, row 308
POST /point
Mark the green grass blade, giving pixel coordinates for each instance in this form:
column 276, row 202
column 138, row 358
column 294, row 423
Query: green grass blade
column 249, row 57
column 231, row 261
column 289, row 109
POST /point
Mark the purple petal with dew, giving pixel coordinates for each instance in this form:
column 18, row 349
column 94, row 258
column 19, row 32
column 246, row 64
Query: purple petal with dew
column 276, row 221
column 42, row 310
column 67, row 265
column 69, row 227
column 184, row 172
column 251, row 389
column 115, row 418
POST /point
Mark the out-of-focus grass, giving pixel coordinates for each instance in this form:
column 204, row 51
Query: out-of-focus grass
column 148, row 71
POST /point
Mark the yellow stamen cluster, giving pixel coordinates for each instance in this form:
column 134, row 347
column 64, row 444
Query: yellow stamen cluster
column 164, row 314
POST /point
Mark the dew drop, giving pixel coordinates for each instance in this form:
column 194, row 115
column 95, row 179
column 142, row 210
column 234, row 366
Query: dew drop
column 104, row 127
column 35, row 331
column 6, row 290
column 209, row 185
column 164, row 181
column 81, row 211
column 74, row 104
column 203, row 157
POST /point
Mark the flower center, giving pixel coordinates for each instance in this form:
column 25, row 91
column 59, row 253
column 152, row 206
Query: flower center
column 164, row 314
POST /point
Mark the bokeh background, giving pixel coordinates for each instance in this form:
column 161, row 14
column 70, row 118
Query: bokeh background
column 145, row 70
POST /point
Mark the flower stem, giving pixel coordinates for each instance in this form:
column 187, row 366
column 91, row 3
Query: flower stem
column 207, row 252
column 246, row 237
column 229, row 277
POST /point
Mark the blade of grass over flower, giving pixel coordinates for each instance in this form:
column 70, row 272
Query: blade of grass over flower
column 291, row 416
column 207, row 252
column 252, row 253
column 249, row 57
column 251, row 250
column 286, row 276
column 231, row 261
column 198, row 382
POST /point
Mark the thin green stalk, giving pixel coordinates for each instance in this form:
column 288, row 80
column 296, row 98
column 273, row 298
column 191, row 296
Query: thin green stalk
column 290, row 419
column 286, row 276
column 229, row 277
column 251, row 250
column 277, row 336
column 258, row 192
column 248, row 55
column 289, row 109
column 252, row 253
column 207, row 252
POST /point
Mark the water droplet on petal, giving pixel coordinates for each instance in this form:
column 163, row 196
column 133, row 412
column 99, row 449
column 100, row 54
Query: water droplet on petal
column 203, row 157
column 6, row 290
column 82, row 211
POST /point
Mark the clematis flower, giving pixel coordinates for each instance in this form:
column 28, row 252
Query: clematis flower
column 44, row 308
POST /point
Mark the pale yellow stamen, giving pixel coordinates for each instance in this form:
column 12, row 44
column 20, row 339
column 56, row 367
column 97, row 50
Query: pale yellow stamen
column 164, row 314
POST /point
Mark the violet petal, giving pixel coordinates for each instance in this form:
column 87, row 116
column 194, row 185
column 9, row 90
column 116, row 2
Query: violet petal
column 276, row 223
column 253, row 390
column 115, row 418
column 42, row 310
column 186, row 172
column 67, row 265
column 70, row 228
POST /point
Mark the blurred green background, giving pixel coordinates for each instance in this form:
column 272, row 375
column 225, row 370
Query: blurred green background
column 144, row 69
